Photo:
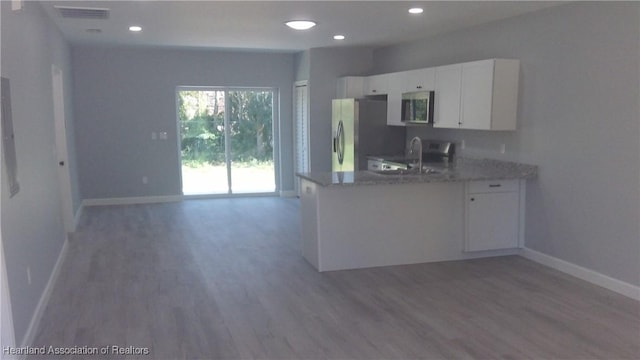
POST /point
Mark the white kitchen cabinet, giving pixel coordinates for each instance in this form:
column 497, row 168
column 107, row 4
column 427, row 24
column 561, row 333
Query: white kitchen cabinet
column 490, row 94
column 418, row 80
column 448, row 87
column 395, row 82
column 350, row 87
column 377, row 84
column 479, row 95
column 494, row 215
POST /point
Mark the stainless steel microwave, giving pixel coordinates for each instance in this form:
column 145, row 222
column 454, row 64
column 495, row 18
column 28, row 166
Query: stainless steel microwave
column 417, row 107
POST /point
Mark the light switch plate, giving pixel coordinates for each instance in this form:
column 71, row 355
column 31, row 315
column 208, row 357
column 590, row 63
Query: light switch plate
column 16, row 5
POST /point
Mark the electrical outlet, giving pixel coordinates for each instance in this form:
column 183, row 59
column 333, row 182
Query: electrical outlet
column 145, row 180
column 154, row 136
column 502, row 148
column 163, row 135
column 462, row 144
column 28, row 275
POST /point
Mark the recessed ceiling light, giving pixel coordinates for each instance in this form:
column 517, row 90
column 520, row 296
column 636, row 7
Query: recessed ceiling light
column 135, row 28
column 300, row 24
column 338, row 37
column 416, row 10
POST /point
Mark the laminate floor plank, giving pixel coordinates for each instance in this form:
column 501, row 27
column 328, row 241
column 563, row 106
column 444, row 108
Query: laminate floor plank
column 225, row 279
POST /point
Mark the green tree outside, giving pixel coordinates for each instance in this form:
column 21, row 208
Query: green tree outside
column 201, row 116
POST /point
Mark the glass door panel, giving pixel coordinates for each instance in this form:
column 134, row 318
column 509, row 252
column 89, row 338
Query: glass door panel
column 226, row 141
column 250, row 135
column 201, row 117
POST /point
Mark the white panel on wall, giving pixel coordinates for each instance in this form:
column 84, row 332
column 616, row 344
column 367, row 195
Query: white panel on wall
column 302, row 129
column 8, row 141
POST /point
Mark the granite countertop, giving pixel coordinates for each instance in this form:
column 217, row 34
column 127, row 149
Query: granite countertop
column 463, row 169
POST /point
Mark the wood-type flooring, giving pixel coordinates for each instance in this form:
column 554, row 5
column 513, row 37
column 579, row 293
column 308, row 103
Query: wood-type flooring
column 225, row 279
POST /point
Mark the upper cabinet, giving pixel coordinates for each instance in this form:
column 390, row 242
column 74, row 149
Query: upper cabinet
column 448, row 85
column 390, row 85
column 350, row 87
column 395, row 83
column 480, row 95
column 377, row 84
column 418, row 80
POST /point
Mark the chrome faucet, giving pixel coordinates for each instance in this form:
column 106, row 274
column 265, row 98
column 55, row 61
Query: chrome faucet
column 411, row 144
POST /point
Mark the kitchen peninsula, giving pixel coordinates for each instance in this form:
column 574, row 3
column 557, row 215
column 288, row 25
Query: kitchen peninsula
column 473, row 208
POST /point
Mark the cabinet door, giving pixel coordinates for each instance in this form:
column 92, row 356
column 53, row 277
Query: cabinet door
column 394, row 99
column 477, row 95
column 492, row 221
column 350, row 87
column 419, row 80
column 447, row 97
column 377, row 85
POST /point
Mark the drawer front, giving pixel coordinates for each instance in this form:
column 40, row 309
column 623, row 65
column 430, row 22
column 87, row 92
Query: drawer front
column 493, row 186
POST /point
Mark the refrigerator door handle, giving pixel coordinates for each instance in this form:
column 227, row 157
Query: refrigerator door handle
column 340, row 140
column 334, row 145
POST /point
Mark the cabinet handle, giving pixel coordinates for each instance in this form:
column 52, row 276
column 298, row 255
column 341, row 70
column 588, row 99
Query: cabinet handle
column 494, row 185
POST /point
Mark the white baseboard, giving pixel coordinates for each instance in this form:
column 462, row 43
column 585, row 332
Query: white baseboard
column 288, row 193
column 132, row 200
column 30, row 335
column 580, row 272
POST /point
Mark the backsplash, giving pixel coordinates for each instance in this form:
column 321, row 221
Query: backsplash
column 477, row 143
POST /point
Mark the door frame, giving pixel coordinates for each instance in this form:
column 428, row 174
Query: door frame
column 275, row 126
column 62, row 151
column 7, row 334
column 296, row 152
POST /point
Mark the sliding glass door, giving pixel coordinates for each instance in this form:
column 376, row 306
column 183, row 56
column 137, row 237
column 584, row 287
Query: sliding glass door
column 226, row 140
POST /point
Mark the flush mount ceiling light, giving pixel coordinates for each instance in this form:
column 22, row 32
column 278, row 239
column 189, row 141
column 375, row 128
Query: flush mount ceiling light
column 300, row 24
column 416, row 10
column 338, row 37
column 135, row 28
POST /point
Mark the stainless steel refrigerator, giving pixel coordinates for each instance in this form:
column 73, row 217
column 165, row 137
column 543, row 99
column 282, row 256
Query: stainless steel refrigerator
column 359, row 128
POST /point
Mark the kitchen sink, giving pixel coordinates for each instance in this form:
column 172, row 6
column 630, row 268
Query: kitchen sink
column 425, row 170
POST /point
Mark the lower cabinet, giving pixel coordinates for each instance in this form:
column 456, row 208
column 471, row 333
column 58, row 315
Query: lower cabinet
column 493, row 215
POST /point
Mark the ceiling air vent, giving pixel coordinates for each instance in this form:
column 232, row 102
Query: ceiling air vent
column 69, row 12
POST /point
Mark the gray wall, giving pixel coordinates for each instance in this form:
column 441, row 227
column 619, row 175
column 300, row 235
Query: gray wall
column 32, row 228
column 301, row 64
column 124, row 94
column 326, row 65
column 578, row 121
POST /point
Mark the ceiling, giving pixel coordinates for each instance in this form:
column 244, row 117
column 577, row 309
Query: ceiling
column 259, row 25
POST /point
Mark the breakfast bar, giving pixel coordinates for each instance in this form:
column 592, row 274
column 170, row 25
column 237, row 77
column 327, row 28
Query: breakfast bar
column 471, row 208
